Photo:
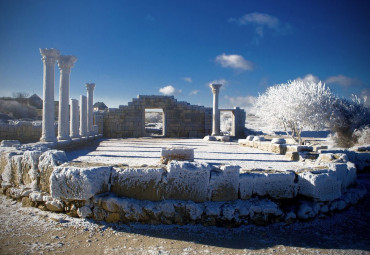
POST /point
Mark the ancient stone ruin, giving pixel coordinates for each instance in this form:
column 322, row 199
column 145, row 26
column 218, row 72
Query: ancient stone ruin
column 177, row 188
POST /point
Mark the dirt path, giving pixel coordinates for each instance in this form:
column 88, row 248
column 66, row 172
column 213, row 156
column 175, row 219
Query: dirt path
column 29, row 231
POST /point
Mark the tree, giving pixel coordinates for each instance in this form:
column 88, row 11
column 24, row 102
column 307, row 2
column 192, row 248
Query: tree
column 295, row 106
column 350, row 121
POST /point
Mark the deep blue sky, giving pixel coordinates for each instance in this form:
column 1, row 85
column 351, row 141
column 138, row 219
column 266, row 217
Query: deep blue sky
column 138, row 47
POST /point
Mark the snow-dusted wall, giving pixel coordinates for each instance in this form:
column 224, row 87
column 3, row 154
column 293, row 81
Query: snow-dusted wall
column 24, row 131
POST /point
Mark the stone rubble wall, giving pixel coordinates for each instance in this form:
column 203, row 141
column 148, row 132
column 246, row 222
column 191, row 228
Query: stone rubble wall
column 180, row 118
column 24, row 131
column 360, row 156
column 179, row 192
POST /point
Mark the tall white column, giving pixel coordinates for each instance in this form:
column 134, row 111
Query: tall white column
column 74, row 127
column 216, row 113
column 65, row 64
column 90, row 103
column 49, row 57
column 83, row 116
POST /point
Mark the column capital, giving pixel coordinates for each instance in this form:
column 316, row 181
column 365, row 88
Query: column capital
column 66, row 62
column 215, row 88
column 90, row 86
column 49, row 55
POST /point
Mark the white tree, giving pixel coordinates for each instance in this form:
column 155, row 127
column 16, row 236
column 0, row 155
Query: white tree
column 296, row 105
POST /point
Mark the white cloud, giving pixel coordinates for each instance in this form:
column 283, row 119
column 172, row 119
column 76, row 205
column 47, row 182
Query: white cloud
column 169, row 90
column 247, row 102
column 194, row 92
column 234, row 61
column 309, row 78
column 342, row 80
column 188, row 79
column 261, row 21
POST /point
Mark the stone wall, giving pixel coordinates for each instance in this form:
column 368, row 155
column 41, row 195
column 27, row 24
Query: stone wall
column 24, row 131
column 180, row 118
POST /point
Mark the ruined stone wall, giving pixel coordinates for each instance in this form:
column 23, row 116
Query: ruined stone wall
column 180, row 118
column 24, row 131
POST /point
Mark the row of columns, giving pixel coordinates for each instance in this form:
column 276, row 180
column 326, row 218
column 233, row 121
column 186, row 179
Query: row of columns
column 69, row 123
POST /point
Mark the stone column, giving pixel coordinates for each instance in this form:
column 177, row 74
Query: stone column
column 90, row 102
column 49, row 57
column 83, row 116
column 65, row 64
column 74, row 119
column 216, row 113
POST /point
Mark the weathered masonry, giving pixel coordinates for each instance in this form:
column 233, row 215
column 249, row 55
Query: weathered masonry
column 180, row 119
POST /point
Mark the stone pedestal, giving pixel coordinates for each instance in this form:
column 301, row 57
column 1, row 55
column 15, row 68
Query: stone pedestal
column 216, row 113
column 90, row 102
column 74, row 127
column 49, row 57
column 83, row 116
column 65, row 64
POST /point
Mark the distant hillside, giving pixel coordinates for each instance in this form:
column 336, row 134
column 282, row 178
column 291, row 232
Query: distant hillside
column 21, row 107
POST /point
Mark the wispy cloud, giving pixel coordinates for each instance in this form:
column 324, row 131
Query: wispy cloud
column 194, row 92
column 365, row 94
column 343, row 81
column 234, row 61
column 188, row 79
column 261, row 22
column 169, row 90
column 309, row 78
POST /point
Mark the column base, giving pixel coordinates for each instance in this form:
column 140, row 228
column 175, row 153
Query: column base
column 48, row 139
column 64, row 138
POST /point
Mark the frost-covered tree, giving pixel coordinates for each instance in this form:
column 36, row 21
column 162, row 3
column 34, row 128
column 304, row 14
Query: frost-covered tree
column 295, row 106
column 350, row 121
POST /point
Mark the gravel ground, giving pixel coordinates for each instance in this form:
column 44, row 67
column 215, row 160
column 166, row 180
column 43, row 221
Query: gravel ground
column 147, row 151
column 30, row 231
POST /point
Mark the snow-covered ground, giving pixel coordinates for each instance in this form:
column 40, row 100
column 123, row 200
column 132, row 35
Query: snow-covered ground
column 147, row 151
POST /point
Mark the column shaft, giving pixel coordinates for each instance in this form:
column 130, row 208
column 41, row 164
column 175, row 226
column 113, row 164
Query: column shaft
column 83, row 116
column 90, row 111
column 216, row 112
column 74, row 119
column 65, row 64
column 49, row 57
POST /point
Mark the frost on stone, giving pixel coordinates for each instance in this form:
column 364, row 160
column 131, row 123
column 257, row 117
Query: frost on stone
column 194, row 210
column 31, row 173
column 72, row 183
column 138, row 183
column 9, row 174
column 273, row 184
column 209, row 138
column 84, row 212
column 319, row 185
column 188, row 181
column 224, row 183
column 177, row 153
column 48, row 161
column 9, row 143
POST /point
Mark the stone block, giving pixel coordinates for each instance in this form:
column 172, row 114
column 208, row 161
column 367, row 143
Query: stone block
column 138, row 183
column 278, row 141
column 187, row 181
column 72, row 183
column 177, row 153
column 246, row 185
column 362, row 160
column 209, row 138
column 277, row 185
column 224, row 183
column 48, row 161
column 9, row 143
column 292, row 155
column 319, row 185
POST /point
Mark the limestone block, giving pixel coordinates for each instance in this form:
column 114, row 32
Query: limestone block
column 187, row 181
column 9, row 174
column 16, row 166
column 84, row 212
column 30, row 173
column 72, row 183
column 48, row 161
column 319, row 185
column 275, row 184
column 177, row 153
column 278, row 141
column 266, row 146
column 250, row 138
column 224, row 183
column 242, row 142
column 292, row 155
column 9, row 143
column 278, row 148
column 299, row 148
column 138, row 183
column 209, row 138
column 55, row 206
column 258, row 138
column 246, row 185
column 223, row 138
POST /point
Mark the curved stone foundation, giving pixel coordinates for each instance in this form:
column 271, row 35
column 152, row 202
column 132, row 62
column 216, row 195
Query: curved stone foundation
column 180, row 192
